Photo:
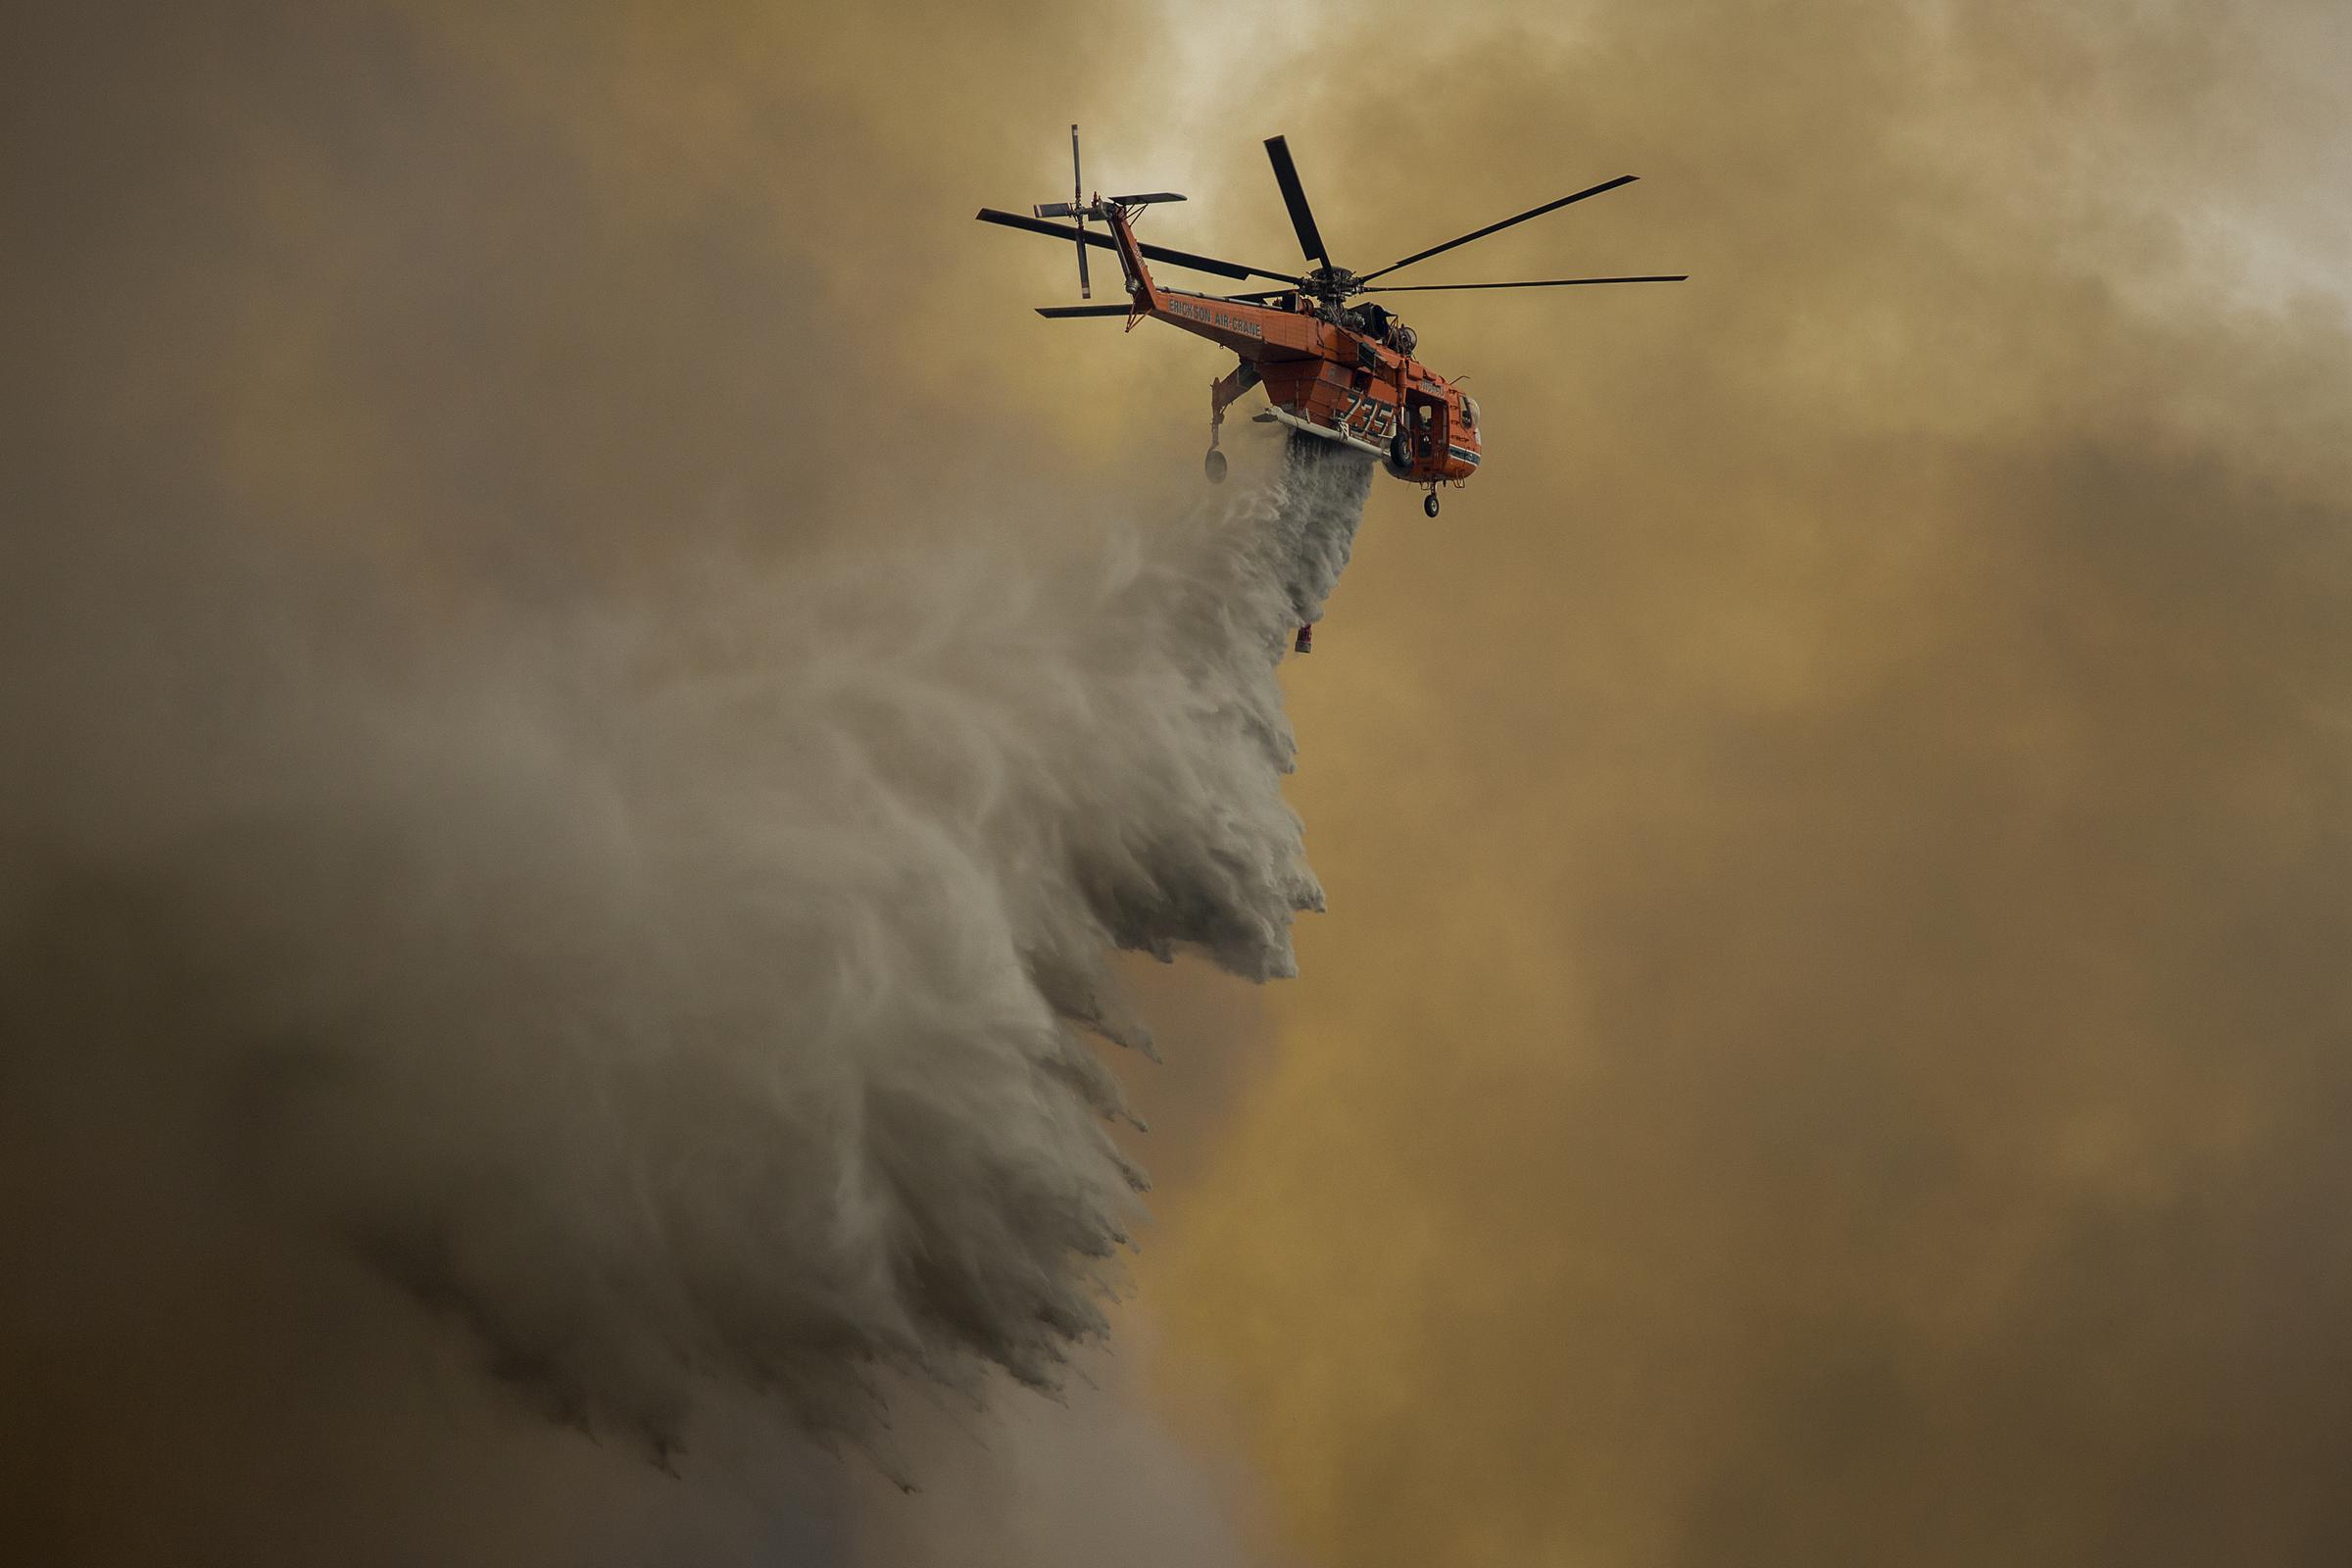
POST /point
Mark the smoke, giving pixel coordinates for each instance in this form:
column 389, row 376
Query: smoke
column 1092, row 1474
column 572, row 750
column 1836, row 1054
column 695, row 998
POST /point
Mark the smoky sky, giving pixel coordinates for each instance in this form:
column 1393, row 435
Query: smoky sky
column 1827, row 1044
column 447, row 451
column 1831, row 1042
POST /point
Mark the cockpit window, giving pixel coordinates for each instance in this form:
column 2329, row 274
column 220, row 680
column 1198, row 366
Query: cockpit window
column 1469, row 410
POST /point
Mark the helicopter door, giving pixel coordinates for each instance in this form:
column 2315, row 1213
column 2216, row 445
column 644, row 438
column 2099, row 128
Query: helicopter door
column 1426, row 416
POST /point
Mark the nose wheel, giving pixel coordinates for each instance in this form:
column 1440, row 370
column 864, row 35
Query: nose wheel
column 1214, row 465
column 1429, row 502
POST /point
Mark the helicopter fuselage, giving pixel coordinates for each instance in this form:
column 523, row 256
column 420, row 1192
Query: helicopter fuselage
column 1323, row 375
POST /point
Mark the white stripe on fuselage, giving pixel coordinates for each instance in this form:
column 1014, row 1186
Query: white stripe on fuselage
column 1286, row 417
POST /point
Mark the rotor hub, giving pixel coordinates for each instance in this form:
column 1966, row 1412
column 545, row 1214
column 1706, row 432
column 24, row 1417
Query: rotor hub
column 1331, row 284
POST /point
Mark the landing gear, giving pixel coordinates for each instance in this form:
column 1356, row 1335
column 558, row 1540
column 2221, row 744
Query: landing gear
column 1400, row 453
column 1221, row 394
column 1429, row 502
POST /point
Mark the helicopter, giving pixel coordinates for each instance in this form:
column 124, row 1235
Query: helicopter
column 1341, row 372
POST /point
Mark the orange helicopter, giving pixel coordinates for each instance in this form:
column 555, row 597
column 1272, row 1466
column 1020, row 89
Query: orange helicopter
column 1344, row 374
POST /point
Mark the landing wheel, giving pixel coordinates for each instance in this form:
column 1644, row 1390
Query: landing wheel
column 1400, row 452
column 1429, row 503
column 1214, row 465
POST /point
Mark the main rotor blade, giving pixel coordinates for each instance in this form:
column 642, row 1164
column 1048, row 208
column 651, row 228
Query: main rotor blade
column 1293, row 196
column 1492, row 228
column 1541, row 282
column 1157, row 253
column 1060, row 313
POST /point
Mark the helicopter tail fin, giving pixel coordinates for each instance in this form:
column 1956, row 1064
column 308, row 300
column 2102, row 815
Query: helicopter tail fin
column 1131, row 260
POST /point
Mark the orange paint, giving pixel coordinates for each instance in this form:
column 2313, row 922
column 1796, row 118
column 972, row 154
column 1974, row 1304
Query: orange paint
column 1327, row 375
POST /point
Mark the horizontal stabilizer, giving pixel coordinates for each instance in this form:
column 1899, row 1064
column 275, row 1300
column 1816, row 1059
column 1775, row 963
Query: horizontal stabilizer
column 1144, row 200
column 1063, row 312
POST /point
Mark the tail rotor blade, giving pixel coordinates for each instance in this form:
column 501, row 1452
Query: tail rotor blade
column 1085, row 290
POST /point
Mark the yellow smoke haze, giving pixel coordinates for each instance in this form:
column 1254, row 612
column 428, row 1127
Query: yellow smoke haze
column 1829, row 1044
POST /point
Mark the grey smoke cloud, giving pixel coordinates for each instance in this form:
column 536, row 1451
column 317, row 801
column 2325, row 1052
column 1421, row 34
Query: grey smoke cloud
column 560, row 804
column 692, row 1000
